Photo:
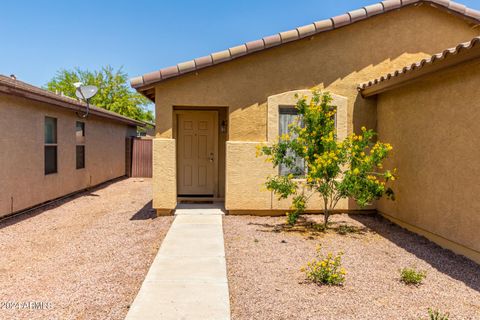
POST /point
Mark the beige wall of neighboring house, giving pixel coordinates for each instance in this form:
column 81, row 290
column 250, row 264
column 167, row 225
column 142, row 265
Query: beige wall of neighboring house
column 336, row 61
column 23, row 181
column 433, row 125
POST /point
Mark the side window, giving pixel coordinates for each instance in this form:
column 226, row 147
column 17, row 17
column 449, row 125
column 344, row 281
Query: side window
column 50, row 146
column 80, row 144
column 287, row 115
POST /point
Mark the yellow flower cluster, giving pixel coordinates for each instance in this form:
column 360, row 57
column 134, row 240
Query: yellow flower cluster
column 329, row 138
column 326, row 270
column 324, row 160
column 258, row 151
column 379, row 146
column 359, row 138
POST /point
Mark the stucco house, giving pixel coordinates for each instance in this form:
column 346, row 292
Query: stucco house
column 213, row 111
column 49, row 150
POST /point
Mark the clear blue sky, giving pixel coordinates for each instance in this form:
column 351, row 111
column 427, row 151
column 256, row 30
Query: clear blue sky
column 39, row 37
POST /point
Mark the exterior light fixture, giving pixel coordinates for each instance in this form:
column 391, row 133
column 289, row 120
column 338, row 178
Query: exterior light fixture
column 223, row 126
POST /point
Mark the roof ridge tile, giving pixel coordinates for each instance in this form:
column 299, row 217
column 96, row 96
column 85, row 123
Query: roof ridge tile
column 238, row 51
column 221, row 56
column 289, row 35
column 473, row 13
column 374, row 9
column 271, row 41
column 152, row 76
column 306, row 30
column 357, row 15
column 341, row 20
column 169, row 72
column 391, row 5
column 409, row 2
column 255, row 45
column 443, row 3
column 457, row 7
column 203, row 62
column 323, row 25
column 186, row 66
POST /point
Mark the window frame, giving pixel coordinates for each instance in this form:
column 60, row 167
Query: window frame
column 80, row 139
column 287, row 110
column 50, row 145
column 80, row 142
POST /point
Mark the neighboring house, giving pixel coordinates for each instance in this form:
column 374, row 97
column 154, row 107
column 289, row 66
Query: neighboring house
column 49, row 150
column 213, row 111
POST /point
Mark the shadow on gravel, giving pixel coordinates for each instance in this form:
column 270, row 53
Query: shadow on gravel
column 445, row 261
column 308, row 227
column 52, row 204
column 146, row 213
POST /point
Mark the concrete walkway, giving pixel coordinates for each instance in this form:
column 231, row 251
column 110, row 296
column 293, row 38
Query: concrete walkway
column 188, row 278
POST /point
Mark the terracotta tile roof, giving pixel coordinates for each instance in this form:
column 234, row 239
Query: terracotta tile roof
column 296, row 34
column 28, row 91
column 452, row 56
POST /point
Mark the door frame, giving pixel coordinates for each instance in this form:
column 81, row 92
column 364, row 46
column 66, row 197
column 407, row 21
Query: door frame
column 176, row 113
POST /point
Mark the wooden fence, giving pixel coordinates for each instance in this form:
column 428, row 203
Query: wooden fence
column 141, row 157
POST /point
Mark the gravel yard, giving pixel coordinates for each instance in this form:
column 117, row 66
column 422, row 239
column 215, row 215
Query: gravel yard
column 85, row 257
column 264, row 260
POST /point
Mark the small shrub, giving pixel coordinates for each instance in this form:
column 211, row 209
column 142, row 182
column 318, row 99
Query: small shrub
column 298, row 207
column 437, row 315
column 411, row 276
column 346, row 229
column 326, row 270
column 319, row 227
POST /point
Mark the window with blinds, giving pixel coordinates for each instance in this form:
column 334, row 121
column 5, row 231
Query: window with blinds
column 287, row 115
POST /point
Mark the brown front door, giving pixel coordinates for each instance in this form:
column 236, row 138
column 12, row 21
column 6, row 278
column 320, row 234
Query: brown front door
column 196, row 157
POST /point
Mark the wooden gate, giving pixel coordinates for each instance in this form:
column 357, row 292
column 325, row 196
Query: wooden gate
column 141, row 158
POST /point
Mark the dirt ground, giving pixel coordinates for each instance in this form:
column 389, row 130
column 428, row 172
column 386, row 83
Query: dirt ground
column 83, row 258
column 264, row 260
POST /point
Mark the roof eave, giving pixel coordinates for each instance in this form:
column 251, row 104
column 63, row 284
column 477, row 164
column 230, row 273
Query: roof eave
column 21, row 92
column 149, row 80
column 448, row 58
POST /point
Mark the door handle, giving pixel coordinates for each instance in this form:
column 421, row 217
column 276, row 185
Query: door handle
column 211, row 157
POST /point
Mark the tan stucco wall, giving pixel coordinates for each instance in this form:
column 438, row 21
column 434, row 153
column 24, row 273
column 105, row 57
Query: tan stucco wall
column 164, row 169
column 433, row 126
column 336, row 61
column 247, row 174
column 22, row 153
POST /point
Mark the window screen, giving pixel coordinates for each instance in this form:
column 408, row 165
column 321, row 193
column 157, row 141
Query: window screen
column 80, row 157
column 80, row 132
column 287, row 115
column 50, row 130
column 50, row 147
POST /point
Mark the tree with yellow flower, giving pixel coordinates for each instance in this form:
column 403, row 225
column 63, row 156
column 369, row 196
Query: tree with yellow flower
column 352, row 168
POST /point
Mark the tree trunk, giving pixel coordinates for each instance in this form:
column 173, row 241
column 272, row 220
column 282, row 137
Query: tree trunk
column 326, row 213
